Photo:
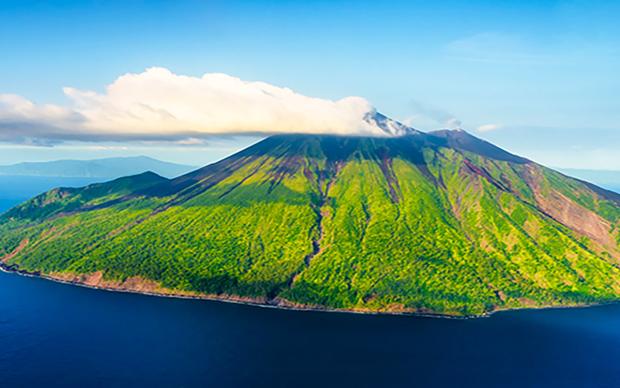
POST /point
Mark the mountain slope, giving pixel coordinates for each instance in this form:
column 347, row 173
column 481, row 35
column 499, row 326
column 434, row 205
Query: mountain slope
column 97, row 168
column 438, row 223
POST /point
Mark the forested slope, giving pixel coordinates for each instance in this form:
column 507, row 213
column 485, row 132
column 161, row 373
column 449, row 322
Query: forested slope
column 443, row 223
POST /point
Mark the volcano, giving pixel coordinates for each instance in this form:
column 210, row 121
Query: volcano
column 437, row 223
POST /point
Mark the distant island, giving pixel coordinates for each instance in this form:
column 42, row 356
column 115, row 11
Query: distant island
column 433, row 223
column 22, row 181
column 96, row 168
column 609, row 179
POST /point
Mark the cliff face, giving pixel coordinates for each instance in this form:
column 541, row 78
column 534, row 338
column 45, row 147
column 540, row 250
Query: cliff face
column 442, row 222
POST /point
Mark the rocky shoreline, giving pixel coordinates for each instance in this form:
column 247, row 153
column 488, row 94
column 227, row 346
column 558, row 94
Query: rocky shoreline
column 274, row 303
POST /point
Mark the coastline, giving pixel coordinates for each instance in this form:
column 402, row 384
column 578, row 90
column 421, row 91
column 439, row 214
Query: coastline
column 274, row 304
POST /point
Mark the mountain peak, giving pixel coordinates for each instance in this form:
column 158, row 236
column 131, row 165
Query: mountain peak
column 388, row 126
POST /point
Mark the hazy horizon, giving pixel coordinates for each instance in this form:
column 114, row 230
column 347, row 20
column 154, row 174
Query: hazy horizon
column 15, row 154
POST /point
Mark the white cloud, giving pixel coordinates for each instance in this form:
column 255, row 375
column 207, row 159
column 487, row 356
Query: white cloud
column 158, row 104
column 453, row 123
column 191, row 141
column 16, row 107
column 488, row 127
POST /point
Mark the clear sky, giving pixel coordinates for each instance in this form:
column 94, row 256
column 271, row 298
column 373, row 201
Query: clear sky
column 537, row 77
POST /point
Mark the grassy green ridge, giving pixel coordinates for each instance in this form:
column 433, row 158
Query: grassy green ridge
column 439, row 223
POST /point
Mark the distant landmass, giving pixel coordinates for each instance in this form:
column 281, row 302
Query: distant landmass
column 19, row 182
column 434, row 223
column 96, row 168
column 605, row 178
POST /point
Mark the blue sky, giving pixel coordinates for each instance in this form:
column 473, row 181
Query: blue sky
column 537, row 77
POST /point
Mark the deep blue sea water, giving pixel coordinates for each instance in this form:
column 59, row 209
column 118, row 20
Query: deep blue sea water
column 55, row 334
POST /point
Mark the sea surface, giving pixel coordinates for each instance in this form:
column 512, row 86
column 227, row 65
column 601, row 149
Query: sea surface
column 15, row 189
column 54, row 334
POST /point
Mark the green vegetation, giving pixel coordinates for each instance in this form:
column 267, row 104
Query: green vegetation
column 416, row 223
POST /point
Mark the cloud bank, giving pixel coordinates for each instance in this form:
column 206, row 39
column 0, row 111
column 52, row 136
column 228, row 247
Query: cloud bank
column 160, row 105
column 488, row 127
